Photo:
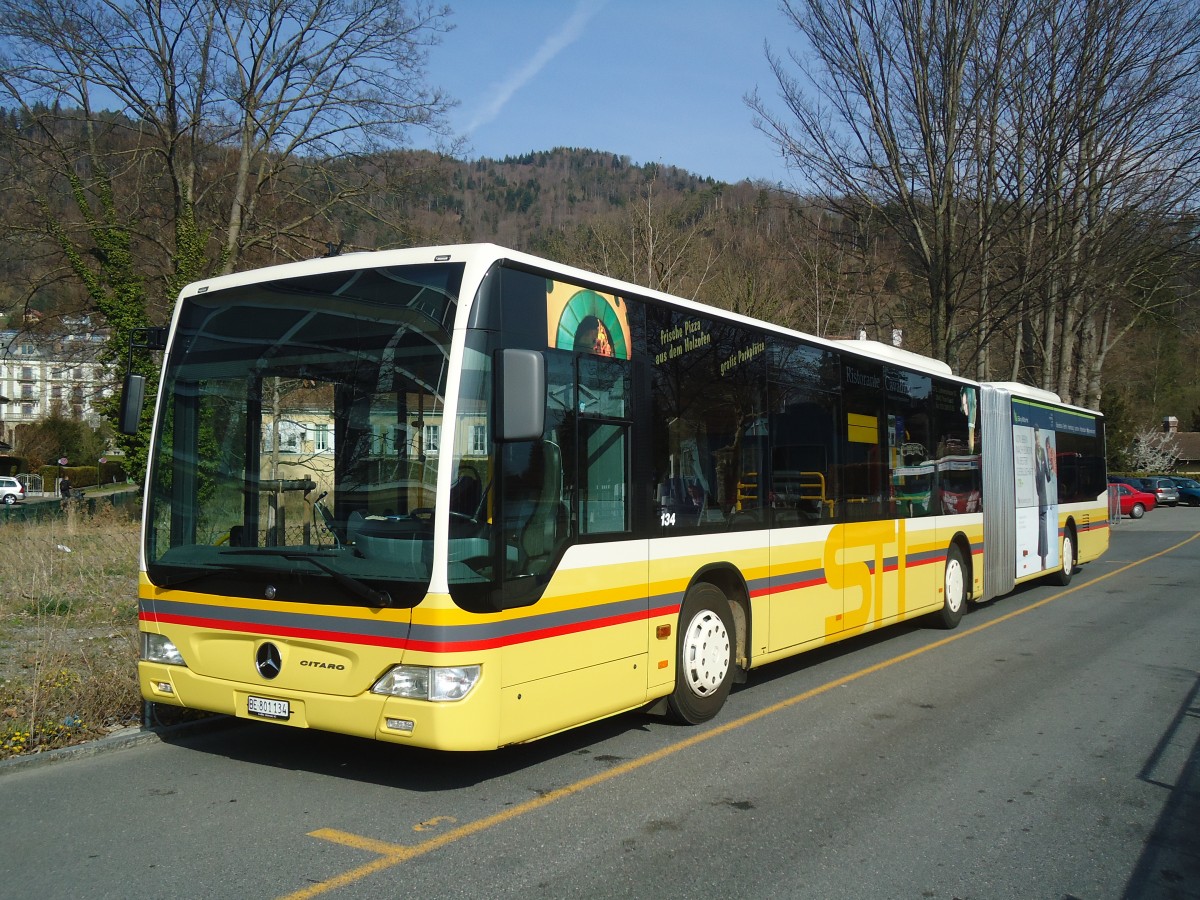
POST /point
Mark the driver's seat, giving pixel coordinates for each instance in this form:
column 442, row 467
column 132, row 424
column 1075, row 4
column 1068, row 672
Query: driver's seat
column 545, row 527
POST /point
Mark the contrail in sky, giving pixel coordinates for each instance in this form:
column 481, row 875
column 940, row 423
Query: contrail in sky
column 551, row 47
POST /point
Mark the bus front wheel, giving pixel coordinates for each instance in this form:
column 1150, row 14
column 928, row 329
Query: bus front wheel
column 954, row 599
column 704, row 658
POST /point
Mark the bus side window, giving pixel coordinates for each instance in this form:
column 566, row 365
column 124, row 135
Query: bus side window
column 604, row 392
column 802, row 485
column 603, row 478
column 709, row 439
column 909, row 449
column 958, row 462
column 863, row 442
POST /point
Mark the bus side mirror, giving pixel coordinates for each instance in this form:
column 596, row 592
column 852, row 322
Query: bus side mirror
column 522, row 391
column 133, row 393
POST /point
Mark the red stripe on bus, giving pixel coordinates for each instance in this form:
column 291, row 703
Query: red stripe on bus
column 790, row 586
column 275, row 630
column 509, row 640
column 406, row 643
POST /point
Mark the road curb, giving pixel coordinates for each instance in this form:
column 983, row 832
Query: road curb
column 119, row 740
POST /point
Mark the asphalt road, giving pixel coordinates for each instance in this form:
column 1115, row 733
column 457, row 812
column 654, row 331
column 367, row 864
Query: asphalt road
column 1047, row 748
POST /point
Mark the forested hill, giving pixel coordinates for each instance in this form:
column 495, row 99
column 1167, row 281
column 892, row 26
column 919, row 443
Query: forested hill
column 526, row 202
column 518, row 200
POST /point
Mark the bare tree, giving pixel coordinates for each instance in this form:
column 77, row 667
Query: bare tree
column 659, row 245
column 1103, row 129
column 1037, row 159
column 880, row 122
column 258, row 113
column 1046, row 196
column 164, row 139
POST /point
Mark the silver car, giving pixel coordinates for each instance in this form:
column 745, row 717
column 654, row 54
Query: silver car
column 1162, row 488
column 11, row 490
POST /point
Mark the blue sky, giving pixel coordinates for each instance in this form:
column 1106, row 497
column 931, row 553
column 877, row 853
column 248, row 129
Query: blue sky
column 655, row 80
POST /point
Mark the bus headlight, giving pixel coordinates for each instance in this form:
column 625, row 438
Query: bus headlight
column 440, row 683
column 156, row 648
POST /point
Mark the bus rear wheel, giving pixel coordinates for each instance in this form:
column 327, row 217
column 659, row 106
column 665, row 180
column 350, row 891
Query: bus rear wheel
column 954, row 595
column 704, row 658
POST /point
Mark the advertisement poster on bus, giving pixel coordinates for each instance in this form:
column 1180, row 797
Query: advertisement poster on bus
column 1034, row 454
column 582, row 319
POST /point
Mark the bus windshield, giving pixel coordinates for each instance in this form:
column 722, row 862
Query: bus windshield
column 297, row 453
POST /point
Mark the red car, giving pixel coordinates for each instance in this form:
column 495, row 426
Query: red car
column 1134, row 503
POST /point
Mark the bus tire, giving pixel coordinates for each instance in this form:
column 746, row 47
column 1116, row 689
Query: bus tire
column 954, row 594
column 1063, row 576
column 704, row 657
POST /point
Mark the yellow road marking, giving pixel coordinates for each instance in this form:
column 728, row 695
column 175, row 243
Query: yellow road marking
column 394, row 854
column 430, row 824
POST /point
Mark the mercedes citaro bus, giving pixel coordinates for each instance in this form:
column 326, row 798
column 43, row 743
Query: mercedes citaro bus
column 461, row 497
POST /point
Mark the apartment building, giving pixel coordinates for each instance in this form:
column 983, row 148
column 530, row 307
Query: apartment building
column 43, row 370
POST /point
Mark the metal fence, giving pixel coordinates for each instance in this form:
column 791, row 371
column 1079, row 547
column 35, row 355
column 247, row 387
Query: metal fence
column 32, row 484
column 127, row 502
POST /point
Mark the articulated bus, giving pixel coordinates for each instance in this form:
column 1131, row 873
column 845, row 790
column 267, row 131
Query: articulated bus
column 461, row 497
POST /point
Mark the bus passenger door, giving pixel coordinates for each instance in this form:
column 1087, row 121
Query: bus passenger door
column 804, row 493
column 616, row 563
column 805, row 603
column 566, row 500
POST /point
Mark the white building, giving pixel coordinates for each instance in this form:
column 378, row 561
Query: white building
column 43, row 371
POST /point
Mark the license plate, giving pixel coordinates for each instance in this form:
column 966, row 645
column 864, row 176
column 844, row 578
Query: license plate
column 268, row 709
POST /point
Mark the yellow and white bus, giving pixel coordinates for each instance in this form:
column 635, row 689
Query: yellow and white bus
column 461, row 497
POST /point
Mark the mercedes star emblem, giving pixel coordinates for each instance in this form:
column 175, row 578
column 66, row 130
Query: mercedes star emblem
column 268, row 661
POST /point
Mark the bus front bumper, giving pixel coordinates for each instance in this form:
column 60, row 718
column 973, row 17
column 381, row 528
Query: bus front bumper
column 468, row 724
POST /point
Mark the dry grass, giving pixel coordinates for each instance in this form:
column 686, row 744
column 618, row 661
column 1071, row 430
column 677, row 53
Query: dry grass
column 68, row 629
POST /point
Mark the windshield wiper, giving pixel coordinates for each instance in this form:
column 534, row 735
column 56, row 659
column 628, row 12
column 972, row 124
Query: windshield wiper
column 356, row 587
column 353, row 585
